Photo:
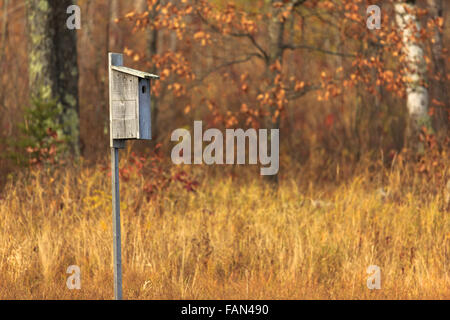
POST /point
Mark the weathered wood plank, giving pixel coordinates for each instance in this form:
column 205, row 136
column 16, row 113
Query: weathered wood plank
column 137, row 73
column 125, row 112
column 114, row 59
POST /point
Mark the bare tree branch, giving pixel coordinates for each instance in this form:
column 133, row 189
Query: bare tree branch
column 227, row 64
column 262, row 55
column 301, row 46
column 295, row 95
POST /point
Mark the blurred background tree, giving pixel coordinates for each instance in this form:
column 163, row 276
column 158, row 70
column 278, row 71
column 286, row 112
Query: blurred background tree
column 52, row 64
column 338, row 91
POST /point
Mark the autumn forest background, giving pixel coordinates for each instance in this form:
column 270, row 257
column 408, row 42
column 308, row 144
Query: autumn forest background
column 364, row 150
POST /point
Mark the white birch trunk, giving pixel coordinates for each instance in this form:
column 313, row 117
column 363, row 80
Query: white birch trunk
column 417, row 93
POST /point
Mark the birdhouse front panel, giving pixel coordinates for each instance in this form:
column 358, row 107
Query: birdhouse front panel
column 145, row 122
column 124, row 106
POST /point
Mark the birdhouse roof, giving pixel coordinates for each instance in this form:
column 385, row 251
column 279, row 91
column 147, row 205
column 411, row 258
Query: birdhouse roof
column 136, row 73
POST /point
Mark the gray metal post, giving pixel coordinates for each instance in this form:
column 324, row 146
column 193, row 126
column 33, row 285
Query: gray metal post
column 130, row 118
column 116, row 224
column 116, row 59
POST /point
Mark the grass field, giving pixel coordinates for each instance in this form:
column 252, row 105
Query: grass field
column 234, row 238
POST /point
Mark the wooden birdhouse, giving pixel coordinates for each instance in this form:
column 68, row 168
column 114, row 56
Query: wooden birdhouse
column 130, row 113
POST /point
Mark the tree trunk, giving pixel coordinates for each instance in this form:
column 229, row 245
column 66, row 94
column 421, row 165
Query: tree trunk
column 115, row 39
column 53, row 69
column 439, row 91
column 152, row 41
column 4, row 36
column 275, row 55
column 140, row 6
column 417, row 93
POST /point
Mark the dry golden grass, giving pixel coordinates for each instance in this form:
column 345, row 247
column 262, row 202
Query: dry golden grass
column 232, row 239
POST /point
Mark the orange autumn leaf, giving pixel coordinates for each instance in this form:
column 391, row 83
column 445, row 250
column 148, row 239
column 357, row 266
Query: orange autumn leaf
column 299, row 86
